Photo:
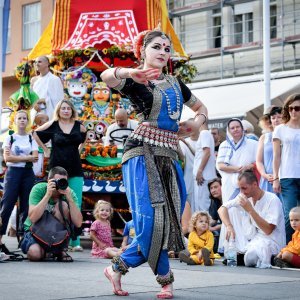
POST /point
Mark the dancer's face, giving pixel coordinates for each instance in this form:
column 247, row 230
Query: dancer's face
column 157, row 53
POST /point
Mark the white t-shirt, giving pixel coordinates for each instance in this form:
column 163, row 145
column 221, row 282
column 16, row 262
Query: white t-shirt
column 21, row 146
column 290, row 151
column 132, row 124
column 205, row 140
column 269, row 207
column 188, row 164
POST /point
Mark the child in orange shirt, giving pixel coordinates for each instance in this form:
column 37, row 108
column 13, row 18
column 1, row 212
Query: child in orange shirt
column 200, row 242
column 290, row 255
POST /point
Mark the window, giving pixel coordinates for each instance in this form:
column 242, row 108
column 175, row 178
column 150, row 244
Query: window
column 31, row 24
column 273, row 20
column 243, row 28
column 216, row 28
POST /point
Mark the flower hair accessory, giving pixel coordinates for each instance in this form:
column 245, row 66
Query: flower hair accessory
column 138, row 43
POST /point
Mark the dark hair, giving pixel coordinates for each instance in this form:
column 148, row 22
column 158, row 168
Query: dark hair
column 213, row 181
column 289, row 100
column 275, row 110
column 151, row 35
column 57, row 170
column 249, row 176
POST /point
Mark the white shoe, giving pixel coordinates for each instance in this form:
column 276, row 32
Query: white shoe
column 77, row 249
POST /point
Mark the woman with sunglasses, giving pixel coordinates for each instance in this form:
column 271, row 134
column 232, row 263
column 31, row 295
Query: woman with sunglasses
column 264, row 157
column 286, row 162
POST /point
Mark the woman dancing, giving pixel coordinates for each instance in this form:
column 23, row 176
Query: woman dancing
column 152, row 176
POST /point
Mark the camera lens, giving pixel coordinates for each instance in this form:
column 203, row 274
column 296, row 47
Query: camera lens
column 61, row 184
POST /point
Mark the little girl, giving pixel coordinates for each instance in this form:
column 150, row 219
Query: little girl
column 101, row 232
column 290, row 255
column 200, row 242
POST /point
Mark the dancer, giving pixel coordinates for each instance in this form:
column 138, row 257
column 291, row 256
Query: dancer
column 151, row 173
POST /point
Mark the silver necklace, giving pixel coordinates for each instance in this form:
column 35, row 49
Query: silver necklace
column 175, row 114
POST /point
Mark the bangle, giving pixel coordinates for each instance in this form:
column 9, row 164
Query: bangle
column 201, row 114
column 277, row 178
column 116, row 73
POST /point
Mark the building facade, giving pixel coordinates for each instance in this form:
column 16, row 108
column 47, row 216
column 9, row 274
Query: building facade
column 225, row 38
column 28, row 19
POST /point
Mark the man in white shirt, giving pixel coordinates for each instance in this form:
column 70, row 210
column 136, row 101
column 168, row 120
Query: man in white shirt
column 47, row 86
column 204, row 169
column 254, row 219
column 122, row 122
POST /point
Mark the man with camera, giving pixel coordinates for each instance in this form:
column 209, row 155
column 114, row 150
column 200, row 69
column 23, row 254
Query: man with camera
column 45, row 196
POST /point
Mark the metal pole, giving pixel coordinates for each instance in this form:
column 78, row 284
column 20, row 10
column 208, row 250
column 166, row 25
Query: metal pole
column 266, row 40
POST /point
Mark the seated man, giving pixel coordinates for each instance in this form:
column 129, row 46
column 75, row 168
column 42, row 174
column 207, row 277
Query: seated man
column 255, row 220
column 45, row 196
column 122, row 122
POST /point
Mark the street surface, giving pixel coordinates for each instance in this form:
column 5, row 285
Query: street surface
column 84, row 279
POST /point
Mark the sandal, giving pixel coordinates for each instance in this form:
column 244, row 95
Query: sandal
column 166, row 292
column 118, row 292
column 63, row 257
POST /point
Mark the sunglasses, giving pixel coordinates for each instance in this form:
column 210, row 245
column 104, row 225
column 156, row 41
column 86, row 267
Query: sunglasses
column 296, row 108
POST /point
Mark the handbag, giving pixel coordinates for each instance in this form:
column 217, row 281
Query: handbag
column 51, row 234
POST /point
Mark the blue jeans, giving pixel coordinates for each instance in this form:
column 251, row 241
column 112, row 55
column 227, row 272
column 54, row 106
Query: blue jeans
column 18, row 183
column 290, row 190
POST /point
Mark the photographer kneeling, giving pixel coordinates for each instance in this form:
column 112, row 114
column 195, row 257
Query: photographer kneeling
column 46, row 196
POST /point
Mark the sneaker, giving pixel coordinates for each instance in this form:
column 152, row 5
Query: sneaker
column 281, row 263
column 3, row 256
column 185, row 257
column 4, row 249
column 206, row 257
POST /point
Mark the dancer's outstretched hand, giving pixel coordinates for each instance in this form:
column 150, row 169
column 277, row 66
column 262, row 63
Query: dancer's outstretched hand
column 143, row 76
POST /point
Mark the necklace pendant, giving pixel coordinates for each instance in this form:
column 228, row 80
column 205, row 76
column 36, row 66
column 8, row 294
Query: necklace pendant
column 174, row 115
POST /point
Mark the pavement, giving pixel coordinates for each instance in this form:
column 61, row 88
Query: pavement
column 84, row 279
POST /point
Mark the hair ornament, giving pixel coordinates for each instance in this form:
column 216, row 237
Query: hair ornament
column 138, row 43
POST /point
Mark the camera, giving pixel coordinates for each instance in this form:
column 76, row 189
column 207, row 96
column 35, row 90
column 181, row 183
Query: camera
column 61, row 183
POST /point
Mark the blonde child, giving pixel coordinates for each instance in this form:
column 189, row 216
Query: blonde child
column 100, row 231
column 200, row 241
column 290, row 255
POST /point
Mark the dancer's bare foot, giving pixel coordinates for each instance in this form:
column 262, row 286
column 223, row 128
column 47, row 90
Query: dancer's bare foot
column 166, row 292
column 115, row 279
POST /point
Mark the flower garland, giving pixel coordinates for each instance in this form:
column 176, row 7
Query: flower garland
column 101, row 169
column 99, row 150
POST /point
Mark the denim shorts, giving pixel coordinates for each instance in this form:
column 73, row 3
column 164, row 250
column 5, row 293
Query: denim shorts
column 27, row 241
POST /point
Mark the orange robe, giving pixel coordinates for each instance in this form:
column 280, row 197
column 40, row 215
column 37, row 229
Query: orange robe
column 294, row 245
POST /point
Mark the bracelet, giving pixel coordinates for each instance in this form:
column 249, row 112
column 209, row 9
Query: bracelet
column 116, row 73
column 277, row 178
column 201, row 114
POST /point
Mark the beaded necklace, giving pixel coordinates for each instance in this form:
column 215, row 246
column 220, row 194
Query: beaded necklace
column 175, row 114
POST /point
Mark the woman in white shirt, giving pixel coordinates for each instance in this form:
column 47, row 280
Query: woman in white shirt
column 286, row 162
column 20, row 152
